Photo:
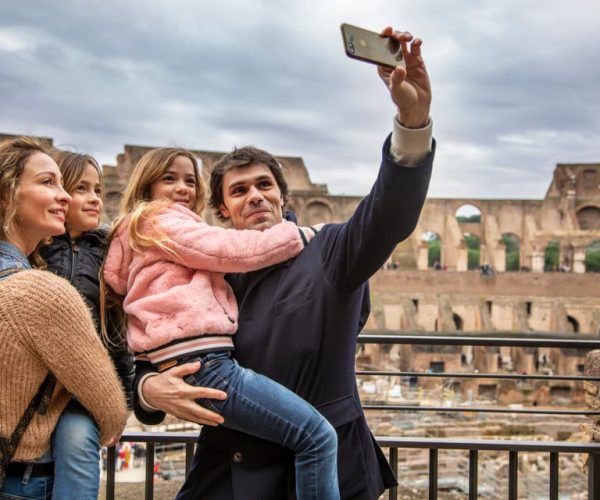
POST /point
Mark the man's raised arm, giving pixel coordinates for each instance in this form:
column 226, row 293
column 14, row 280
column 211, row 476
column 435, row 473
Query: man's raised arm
column 354, row 251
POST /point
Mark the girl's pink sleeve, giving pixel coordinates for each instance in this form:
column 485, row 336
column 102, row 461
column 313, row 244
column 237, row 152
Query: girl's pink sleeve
column 201, row 246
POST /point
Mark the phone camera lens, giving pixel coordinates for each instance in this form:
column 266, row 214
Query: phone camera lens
column 393, row 46
column 351, row 49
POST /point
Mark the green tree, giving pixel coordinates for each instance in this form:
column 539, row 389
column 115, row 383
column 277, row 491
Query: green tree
column 551, row 255
column 473, row 251
column 592, row 258
column 472, row 241
column 434, row 251
column 512, row 252
column 473, row 258
column 470, row 218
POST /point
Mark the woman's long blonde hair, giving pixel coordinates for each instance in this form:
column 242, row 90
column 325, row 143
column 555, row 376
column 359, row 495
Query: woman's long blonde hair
column 14, row 154
column 137, row 209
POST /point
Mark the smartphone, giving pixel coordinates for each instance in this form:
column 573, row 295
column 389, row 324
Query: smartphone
column 369, row 46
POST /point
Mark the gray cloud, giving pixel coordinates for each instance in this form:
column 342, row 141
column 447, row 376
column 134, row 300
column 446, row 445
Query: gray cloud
column 514, row 83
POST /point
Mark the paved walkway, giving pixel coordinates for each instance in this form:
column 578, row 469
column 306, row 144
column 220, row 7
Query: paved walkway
column 131, row 475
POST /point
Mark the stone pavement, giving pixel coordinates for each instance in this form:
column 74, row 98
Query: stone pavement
column 129, row 485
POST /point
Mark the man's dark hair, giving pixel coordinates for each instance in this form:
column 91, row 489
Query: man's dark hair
column 243, row 157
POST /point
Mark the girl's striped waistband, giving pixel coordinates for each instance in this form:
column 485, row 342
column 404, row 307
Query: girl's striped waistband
column 185, row 348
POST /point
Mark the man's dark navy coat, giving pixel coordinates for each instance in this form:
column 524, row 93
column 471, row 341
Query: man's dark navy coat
column 298, row 325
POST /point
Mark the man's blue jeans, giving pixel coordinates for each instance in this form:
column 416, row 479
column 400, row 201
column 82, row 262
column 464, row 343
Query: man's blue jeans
column 76, row 452
column 261, row 407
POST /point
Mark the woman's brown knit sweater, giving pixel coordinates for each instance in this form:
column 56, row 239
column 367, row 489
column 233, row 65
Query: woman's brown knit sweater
column 44, row 325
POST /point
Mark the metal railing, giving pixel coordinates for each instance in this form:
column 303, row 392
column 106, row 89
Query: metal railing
column 559, row 341
column 474, row 446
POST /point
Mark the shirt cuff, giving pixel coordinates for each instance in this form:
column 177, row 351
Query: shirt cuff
column 409, row 146
column 143, row 403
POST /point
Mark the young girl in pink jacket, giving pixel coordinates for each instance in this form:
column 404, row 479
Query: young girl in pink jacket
column 169, row 265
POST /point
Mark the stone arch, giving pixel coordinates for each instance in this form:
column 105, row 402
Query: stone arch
column 468, row 213
column 318, row 210
column 589, row 217
column 572, row 324
column 473, row 243
column 551, row 256
column 513, row 250
column 433, row 241
column 458, row 322
column 592, row 257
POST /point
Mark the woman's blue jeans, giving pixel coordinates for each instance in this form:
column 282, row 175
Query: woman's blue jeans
column 32, row 488
column 28, row 487
column 76, row 452
column 261, row 407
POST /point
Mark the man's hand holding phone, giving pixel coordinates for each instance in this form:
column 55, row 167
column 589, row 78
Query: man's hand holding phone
column 402, row 69
column 409, row 85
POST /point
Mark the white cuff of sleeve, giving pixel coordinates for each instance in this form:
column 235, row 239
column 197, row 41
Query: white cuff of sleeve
column 143, row 403
column 409, row 146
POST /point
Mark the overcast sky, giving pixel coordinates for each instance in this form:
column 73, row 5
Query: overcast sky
column 516, row 83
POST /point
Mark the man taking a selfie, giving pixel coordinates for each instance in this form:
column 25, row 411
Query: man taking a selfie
column 299, row 320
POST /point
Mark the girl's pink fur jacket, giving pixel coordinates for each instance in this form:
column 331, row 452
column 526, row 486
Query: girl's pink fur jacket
column 168, row 298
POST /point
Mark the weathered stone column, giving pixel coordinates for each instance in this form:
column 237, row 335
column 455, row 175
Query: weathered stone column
column 537, row 261
column 423, row 256
column 579, row 260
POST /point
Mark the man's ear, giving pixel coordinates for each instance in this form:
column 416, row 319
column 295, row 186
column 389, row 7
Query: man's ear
column 224, row 212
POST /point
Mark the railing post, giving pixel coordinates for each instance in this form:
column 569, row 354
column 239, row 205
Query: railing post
column 553, row 476
column 593, row 479
column 149, row 486
column 111, row 458
column 394, row 466
column 473, row 462
column 513, row 475
column 433, row 473
column 189, row 457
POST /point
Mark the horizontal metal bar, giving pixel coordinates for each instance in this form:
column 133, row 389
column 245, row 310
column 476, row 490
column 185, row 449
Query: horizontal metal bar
column 485, row 341
column 488, row 445
column 160, row 437
column 507, row 376
column 404, row 442
column 480, row 409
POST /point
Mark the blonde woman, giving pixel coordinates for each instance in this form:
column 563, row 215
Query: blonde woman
column 48, row 345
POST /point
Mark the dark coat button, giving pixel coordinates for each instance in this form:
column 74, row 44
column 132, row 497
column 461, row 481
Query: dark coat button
column 237, row 457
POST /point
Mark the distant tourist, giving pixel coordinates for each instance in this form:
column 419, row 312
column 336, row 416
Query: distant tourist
column 564, row 267
column 487, row 269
